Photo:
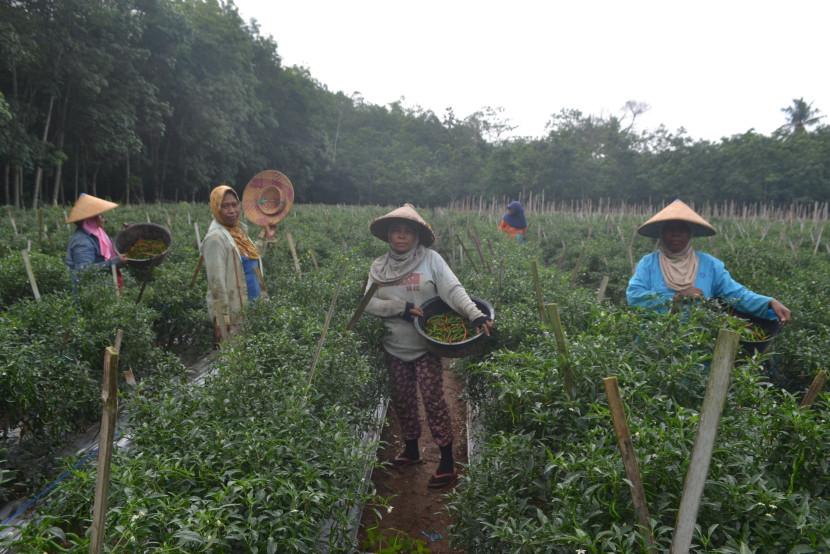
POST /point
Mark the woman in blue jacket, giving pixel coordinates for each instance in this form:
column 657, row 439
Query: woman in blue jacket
column 90, row 246
column 677, row 272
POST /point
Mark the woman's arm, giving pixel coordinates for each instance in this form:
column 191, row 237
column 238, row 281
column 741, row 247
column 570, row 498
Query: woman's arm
column 643, row 293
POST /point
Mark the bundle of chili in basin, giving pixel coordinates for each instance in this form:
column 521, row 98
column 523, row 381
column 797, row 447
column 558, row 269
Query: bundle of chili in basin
column 447, row 327
column 748, row 331
column 145, row 249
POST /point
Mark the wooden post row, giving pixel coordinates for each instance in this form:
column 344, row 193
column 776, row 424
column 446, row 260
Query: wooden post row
column 109, row 395
column 719, row 376
column 632, row 470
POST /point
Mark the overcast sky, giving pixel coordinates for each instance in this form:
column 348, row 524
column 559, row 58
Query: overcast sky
column 715, row 68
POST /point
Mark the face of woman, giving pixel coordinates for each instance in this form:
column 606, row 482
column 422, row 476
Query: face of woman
column 229, row 209
column 676, row 235
column 402, row 236
column 99, row 220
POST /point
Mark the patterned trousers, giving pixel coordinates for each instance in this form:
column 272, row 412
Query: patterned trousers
column 426, row 373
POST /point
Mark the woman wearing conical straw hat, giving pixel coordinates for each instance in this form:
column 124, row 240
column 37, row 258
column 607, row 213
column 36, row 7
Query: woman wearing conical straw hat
column 90, row 246
column 408, row 275
column 677, row 272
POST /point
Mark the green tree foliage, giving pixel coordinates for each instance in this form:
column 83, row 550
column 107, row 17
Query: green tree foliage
column 152, row 100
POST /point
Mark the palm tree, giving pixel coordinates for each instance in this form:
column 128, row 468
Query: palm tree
column 800, row 115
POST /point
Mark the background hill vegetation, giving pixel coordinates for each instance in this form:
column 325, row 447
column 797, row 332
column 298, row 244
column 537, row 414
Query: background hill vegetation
column 160, row 100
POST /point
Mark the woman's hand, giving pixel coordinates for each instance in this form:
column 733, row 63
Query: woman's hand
column 485, row 327
column 689, row 292
column 416, row 311
column 780, row 310
column 123, row 258
column 270, row 230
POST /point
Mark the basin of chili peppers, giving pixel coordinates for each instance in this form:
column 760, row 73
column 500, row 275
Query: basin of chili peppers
column 144, row 244
column 756, row 333
column 447, row 333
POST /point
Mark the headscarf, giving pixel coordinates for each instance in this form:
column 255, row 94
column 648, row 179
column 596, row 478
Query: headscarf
column 679, row 268
column 517, row 218
column 243, row 243
column 393, row 267
column 91, row 227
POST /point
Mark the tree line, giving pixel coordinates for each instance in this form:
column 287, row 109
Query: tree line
column 162, row 100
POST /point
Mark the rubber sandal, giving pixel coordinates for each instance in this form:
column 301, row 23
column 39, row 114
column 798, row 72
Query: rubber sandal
column 402, row 461
column 443, row 480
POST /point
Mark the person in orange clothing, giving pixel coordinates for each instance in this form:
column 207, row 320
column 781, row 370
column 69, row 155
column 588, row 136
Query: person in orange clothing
column 514, row 222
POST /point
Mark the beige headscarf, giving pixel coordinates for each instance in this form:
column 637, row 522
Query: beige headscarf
column 243, row 243
column 679, row 268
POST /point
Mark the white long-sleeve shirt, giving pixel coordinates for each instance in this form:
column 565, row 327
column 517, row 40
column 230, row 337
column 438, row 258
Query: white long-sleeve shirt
column 432, row 277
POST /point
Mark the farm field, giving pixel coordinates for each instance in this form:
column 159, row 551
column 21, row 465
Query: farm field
column 264, row 456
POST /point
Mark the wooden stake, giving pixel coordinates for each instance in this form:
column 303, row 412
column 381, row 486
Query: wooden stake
column 815, row 388
column 326, row 324
column 575, row 273
column 629, row 458
column 196, row 271
column 466, row 253
column 198, row 237
column 364, row 301
column 538, row 286
column 602, row 286
column 109, row 395
column 567, row 371
column 314, row 260
column 719, row 375
column 114, row 271
column 475, row 240
column 293, row 253
column 31, row 275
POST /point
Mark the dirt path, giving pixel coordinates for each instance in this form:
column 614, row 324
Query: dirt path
column 417, row 509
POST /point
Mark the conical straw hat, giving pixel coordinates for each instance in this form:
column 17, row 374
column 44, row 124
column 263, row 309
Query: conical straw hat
column 88, row 206
column 267, row 197
column 380, row 225
column 676, row 211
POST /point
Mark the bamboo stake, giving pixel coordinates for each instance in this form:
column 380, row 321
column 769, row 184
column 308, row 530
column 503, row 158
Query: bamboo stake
column 815, row 388
column 196, row 271
column 629, row 458
column 575, row 273
column 720, row 372
column 293, row 254
column 364, row 301
column 326, row 324
column 39, row 228
column 109, row 395
column 466, row 253
column 31, row 275
column 114, row 271
column 198, row 237
column 474, row 238
column 538, row 286
column 314, row 260
column 567, row 371
column 602, row 286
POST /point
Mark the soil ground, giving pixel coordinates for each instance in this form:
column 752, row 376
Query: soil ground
column 417, row 511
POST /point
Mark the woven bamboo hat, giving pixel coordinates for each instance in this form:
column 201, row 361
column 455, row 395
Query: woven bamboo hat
column 380, row 225
column 267, row 198
column 676, row 211
column 88, row 206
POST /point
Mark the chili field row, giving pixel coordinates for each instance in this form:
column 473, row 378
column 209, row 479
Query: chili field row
column 257, row 459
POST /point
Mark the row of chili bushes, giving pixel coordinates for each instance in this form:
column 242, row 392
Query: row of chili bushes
column 257, row 460
column 550, row 476
column 253, row 457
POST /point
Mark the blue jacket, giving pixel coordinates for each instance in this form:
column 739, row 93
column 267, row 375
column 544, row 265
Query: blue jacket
column 84, row 251
column 647, row 288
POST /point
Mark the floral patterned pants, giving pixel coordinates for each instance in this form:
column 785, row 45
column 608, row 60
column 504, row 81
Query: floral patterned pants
column 425, row 373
